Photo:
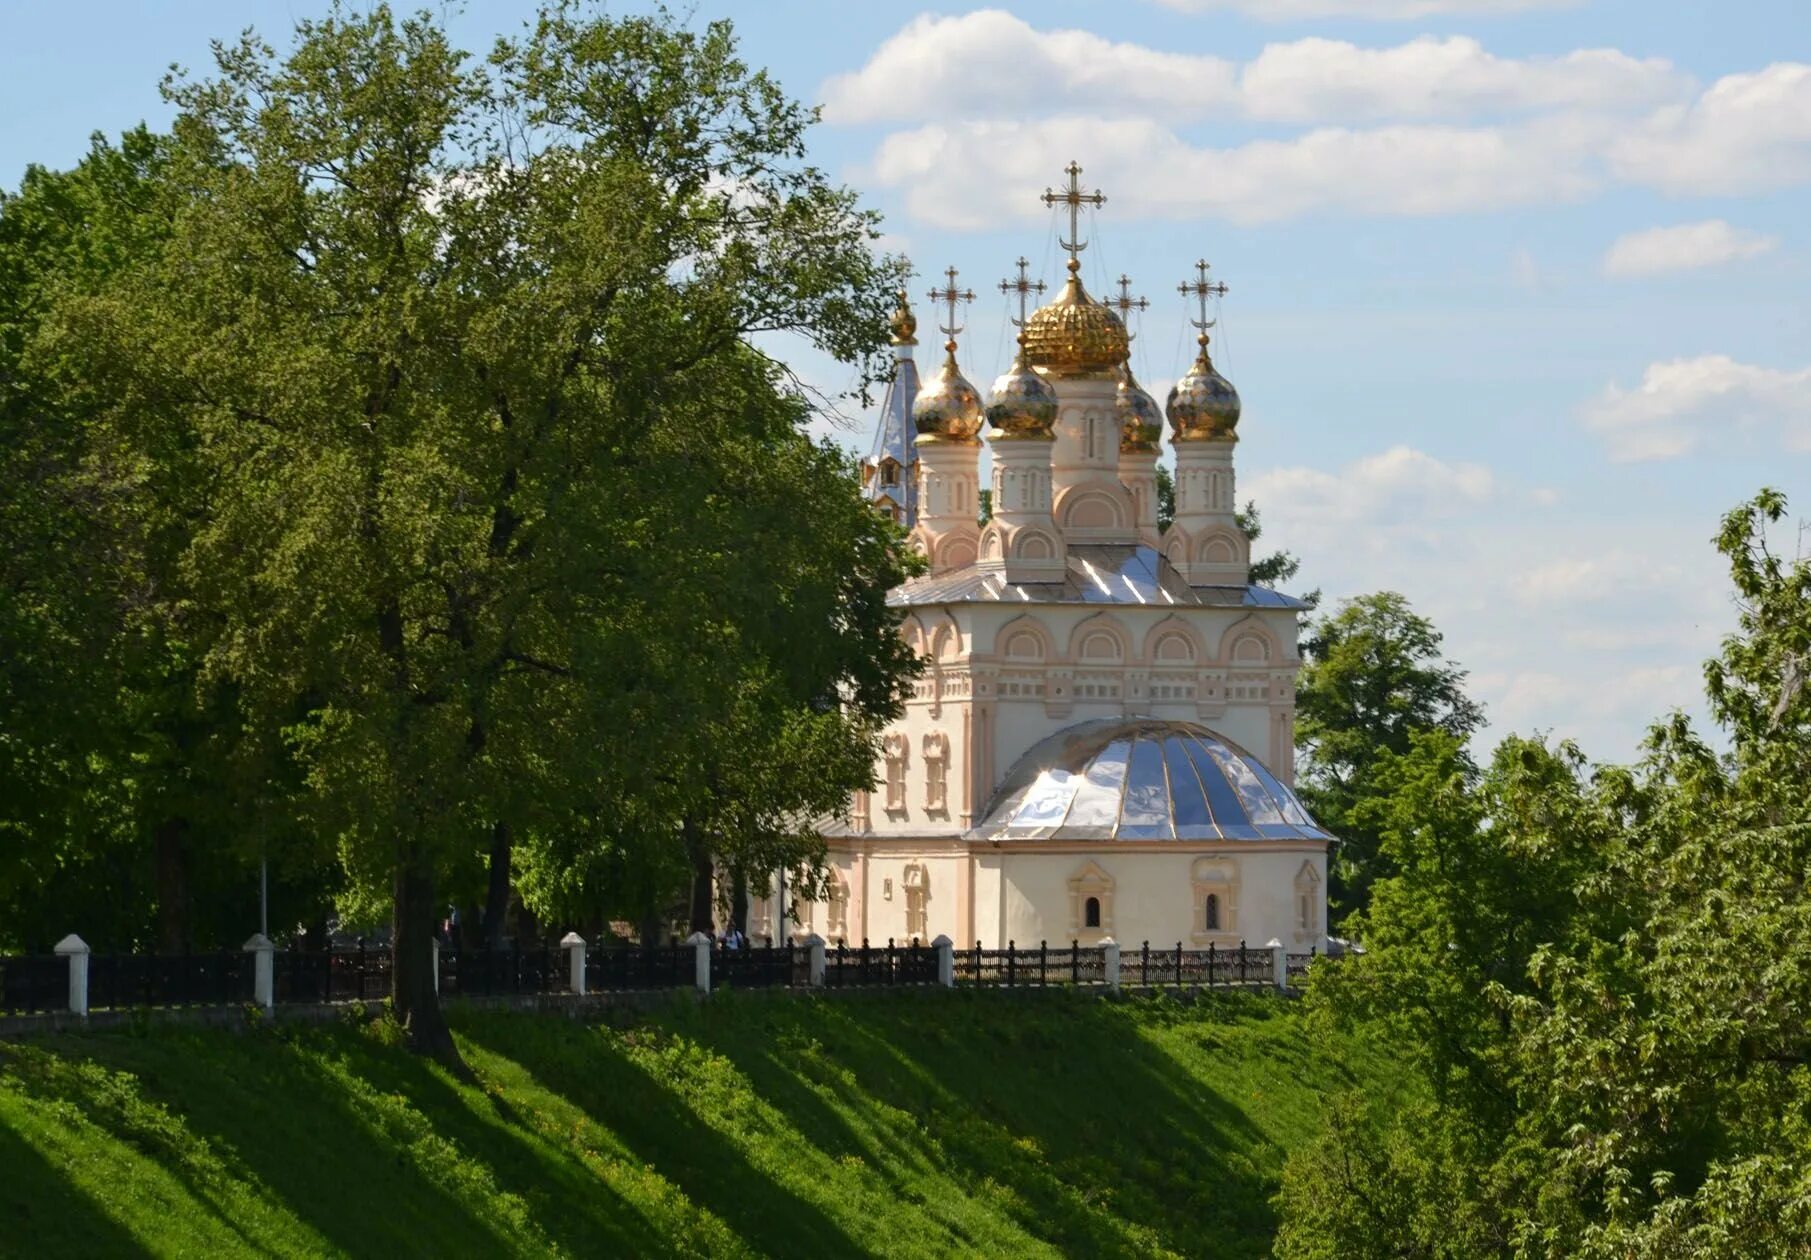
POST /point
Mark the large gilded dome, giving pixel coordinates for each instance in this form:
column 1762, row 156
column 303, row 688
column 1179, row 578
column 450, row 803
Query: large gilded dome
column 948, row 406
column 1143, row 779
column 1140, row 419
column 1203, row 405
column 1075, row 336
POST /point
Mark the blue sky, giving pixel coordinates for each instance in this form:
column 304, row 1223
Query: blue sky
column 1518, row 293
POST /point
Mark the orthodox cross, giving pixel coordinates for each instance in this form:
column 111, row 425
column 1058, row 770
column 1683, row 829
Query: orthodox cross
column 1125, row 304
column 949, row 296
column 1024, row 287
column 1075, row 199
column 1201, row 288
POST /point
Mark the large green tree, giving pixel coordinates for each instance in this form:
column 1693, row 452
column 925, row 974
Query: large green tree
column 460, row 355
column 1375, row 678
column 1605, row 975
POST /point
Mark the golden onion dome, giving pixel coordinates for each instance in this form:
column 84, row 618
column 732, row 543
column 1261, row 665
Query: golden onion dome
column 948, row 406
column 903, row 323
column 1075, row 336
column 1203, row 405
column 1140, row 418
column 1023, row 403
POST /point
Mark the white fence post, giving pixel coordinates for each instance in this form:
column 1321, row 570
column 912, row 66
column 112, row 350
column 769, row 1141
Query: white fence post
column 76, row 950
column 1279, row 964
column 814, row 959
column 1109, row 949
column 701, row 951
column 574, row 945
column 946, row 961
column 264, row 970
column 436, row 966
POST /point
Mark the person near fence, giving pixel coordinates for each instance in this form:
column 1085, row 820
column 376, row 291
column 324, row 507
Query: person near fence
column 733, row 938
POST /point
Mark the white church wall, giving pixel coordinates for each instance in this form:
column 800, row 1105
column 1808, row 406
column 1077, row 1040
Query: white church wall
column 1156, row 896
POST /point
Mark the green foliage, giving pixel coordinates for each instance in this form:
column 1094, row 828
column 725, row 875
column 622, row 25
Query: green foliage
column 871, row 1125
column 1374, row 680
column 462, row 489
column 1605, row 975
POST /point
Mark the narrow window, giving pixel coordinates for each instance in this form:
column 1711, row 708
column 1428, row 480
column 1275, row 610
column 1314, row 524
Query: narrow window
column 1212, row 912
column 1091, row 913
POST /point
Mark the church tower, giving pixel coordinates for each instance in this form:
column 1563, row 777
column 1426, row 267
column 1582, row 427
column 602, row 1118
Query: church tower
column 1101, row 744
column 889, row 475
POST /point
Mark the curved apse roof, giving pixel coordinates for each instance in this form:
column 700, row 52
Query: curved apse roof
column 1143, row 779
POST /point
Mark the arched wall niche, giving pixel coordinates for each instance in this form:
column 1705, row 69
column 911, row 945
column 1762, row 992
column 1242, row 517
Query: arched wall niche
column 1174, row 641
column 956, row 553
column 1024, row 638
column 1033, row 544
column 1092, row 509
column 1085, row 640
column 1249, row 641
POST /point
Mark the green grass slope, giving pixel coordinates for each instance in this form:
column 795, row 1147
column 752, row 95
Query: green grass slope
column 910, row 1124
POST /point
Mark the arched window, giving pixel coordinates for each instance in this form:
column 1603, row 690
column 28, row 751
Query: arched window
column 1091, row 913
column 1211, row 912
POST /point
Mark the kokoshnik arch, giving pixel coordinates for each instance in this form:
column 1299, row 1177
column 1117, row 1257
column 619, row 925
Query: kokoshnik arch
column 1102, row 743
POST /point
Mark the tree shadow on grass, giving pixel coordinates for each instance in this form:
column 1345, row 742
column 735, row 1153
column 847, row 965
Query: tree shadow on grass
column 275, row 1116
column 1103, row 1144
column 42, row 1213
column 564, row 1195
column 661, row 1129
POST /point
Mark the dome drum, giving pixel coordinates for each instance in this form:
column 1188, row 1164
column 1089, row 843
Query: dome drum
column 1143, row 779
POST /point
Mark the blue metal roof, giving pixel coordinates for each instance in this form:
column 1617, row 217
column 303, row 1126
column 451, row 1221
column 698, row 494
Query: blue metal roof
column 896, row 444
column 1143, row 779
column 1097, row 573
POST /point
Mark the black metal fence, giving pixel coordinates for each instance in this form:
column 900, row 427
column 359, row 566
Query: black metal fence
column 1208, row 968
column 893, row 964
column 361, row 971
column 33, row 983
column 766, row 967
column 618, row 968
column 1034, row 967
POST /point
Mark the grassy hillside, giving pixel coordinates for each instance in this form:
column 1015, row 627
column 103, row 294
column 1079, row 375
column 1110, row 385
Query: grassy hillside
column 913, row 1124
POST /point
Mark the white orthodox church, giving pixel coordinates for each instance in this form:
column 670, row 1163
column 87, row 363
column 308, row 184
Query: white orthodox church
column 1101, row 744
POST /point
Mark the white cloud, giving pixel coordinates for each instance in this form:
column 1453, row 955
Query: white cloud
column 1662, row 249
column 1406, row 169
column 1683, row 401
column 1429, row 77
column 1379, row 10
column 1397, row 495
column 990, row 62
column 1612, row 574
column 1747, row 133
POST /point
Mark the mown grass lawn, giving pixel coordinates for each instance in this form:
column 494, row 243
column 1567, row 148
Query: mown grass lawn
column 902, row 1124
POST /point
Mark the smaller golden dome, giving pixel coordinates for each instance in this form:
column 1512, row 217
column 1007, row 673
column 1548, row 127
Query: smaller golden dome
column 1140, row 418
column 1075, row 336
column 1023, row 404
column 948, row 406
column 1203, row 405
column 903, row 323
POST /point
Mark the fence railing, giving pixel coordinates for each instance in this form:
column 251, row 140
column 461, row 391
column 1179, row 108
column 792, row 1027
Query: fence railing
column 884, row 966
column 74, row 979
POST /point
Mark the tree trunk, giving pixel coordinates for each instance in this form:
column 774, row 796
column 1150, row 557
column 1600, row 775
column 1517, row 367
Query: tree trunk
column 412, row 963
column 651, row 927
column 702, row 892
column 496, row 898
column 172, row 887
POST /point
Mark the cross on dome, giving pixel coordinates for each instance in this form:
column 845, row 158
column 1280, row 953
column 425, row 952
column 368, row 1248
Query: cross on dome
column 1201, row 288
column 1075, row 199
column 1024, row 287
column 1125, row 304
column 948, row 296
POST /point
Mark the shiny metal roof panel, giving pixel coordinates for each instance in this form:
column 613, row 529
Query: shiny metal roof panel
column 1143, row 779
column 1097, row 573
